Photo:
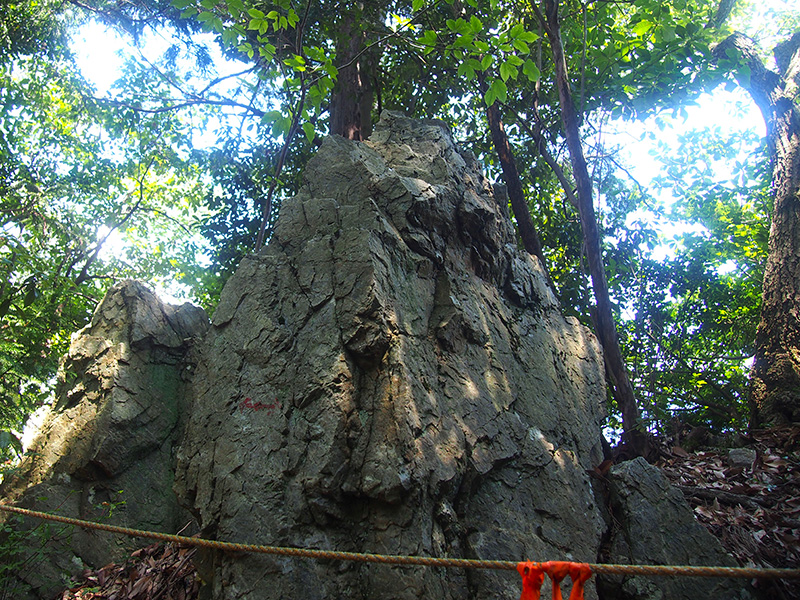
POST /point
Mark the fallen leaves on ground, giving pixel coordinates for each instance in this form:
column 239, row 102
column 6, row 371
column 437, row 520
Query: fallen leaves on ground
column 156, row 572
column 753, row 509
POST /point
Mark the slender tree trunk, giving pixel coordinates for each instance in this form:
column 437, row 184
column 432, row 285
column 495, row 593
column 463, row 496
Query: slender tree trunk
column 525, row 225
column 775, row 379
column 634, row 432
column 354, row 94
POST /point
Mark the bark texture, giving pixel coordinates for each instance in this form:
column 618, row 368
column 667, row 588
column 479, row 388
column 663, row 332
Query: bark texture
column 775, row 380
column 354, row 94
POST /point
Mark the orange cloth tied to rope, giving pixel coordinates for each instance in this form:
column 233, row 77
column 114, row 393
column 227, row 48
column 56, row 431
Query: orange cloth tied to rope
column 533, row 577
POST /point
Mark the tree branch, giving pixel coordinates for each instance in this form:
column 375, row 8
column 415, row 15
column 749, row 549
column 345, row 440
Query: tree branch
column 183, row 104
column 84, row 274
column 541, row 146
column 721, row 15
column 763, row 84
column 219, row 80
column 287, row 142
column 787, row 57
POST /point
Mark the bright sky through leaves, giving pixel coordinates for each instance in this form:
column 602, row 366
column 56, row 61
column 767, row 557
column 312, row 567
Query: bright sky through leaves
column 101, row 54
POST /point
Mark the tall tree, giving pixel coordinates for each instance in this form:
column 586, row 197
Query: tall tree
column 775, row 380
column 605, row 326
column 357, row 59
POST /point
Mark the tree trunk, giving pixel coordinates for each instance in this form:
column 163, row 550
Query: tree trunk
column 634, row 433
column 775, row 379
column 354, row 93
column 527, row 230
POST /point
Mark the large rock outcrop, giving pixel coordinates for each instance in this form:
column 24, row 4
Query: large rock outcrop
column 391, row 375
column 106, row 449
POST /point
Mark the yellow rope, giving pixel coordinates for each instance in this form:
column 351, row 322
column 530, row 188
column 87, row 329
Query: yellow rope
column 464, row 563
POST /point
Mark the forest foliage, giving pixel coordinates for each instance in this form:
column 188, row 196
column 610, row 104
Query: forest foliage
column 178, row 171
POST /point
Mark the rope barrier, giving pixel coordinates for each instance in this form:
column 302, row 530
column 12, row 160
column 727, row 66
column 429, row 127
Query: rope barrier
column 426, row 561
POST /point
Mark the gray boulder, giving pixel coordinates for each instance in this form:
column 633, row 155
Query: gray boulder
column 653, row 524
column 106, row 450
column 391, row 375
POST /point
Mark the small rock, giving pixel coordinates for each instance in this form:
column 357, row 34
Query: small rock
column 741, row 457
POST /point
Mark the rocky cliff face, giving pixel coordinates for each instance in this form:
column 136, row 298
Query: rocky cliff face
column 391, row 375
column 106, row 449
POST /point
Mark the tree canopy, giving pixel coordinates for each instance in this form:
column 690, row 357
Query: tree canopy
column 178, row 171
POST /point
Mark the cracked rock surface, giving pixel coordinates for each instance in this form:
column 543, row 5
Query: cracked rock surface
column 105, row 451
column 391, row 375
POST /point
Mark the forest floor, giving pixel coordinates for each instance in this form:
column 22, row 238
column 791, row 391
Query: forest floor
column 749, row 498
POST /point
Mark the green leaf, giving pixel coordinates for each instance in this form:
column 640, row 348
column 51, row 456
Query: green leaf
column 521, row 46
column 475, row 24
column 531, row 71
column 490, row 97
column 9, row 440
column 463, row 41
column 205, row 16
column 499, row 90
column 416, row 5
column 465, row 69
column 481, row 46
column 507, row 71
column 486, row 62
column 5, row 305
column 255, row 13
column 308, row 129
column 428, row 38
column 668, row 33
column 642, row 27
column 528, row 37
column 31, row 294
column 181, row 4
